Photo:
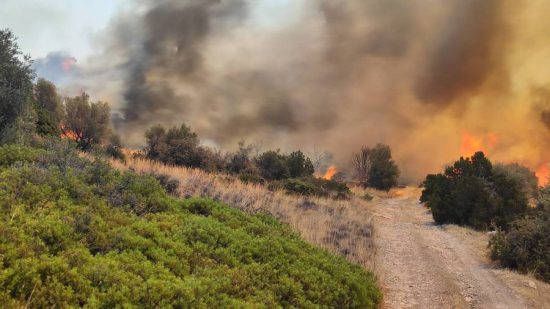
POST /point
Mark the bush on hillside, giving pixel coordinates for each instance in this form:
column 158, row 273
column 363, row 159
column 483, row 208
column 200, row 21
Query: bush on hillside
column 526, row 245
column 180, row 146
column 272, row 165
column 470, row 193
column 320, row 187
column 77, row 233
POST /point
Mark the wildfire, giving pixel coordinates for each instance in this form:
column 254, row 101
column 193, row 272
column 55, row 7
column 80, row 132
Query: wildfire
column 472, row 143
column 69, row 134
column 331, row 171
column 543, row 173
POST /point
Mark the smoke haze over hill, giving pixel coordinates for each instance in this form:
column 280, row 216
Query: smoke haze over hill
column 336, row 74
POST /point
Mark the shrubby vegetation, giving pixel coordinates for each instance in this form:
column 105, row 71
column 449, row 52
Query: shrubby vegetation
column 292, row 172
column 78, row 233
column 375, row 168
column 15, row 90
column 526, row 246
column 471, row 193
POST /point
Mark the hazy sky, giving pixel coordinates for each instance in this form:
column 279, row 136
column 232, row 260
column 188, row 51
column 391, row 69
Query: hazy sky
column 43, row 26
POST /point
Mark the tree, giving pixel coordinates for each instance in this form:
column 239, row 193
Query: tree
column 470, row 193
column 87, row 123
column 240, row 161
column 374, row 167
column 299, row 165
column 15, row 86
column 48, row 107
column 361, row 164
column 180, row 146
column 272, row 165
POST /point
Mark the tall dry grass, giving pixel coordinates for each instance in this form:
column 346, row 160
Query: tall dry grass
column 342, row 227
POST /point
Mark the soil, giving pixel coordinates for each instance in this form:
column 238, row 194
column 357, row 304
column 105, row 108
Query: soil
column 423, row 265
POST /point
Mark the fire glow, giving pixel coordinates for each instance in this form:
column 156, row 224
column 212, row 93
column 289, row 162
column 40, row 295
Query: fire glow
column 543, row 173
column 331, row 171
column 472, row 143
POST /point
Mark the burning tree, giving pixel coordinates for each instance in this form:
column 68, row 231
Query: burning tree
column 86, row 123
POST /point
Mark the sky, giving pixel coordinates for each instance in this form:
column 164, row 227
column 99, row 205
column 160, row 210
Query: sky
column 58, row 25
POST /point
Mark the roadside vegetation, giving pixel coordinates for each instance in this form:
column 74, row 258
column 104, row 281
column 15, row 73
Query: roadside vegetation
column 474, row 193
column 471, row 193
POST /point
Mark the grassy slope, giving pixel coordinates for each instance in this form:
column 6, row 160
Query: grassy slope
column 76, row 233
column 343, row 227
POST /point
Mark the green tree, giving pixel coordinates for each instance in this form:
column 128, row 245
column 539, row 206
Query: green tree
column 180, row 146
column 470, row 193
column 272, row 165
column 15, row 87
column 48, row 107
column 374, row 167
column 299, row 165
column 85, row 122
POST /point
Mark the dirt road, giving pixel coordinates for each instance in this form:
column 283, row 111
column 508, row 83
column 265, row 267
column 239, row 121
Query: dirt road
column 428, row 266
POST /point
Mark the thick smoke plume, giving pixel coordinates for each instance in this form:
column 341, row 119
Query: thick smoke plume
column 337, row 74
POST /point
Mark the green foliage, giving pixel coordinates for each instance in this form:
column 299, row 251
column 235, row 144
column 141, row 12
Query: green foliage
column 180, row 146
column 526, row 246
column 15, row 87
column 272, row 165
column 88, row 123
column 469, row 193
column 321, row 187
column 48, row 107
column 10, row 154
column 521, row 174
column 75, row 233
column 299, row 165
column 375, row 168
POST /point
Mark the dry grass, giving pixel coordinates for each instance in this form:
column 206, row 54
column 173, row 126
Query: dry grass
column 342, row 227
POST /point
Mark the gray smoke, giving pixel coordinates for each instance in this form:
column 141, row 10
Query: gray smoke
column 337, row 74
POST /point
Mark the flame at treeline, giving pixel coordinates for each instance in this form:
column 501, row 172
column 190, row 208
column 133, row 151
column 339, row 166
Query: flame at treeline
column 331, row 171
column 471, row 143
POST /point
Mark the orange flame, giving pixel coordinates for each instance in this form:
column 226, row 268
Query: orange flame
column 472, row 143
column 543, row 173
column 331, row 171
column 68, row 134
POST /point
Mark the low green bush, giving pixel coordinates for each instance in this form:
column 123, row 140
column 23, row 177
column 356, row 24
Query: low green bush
column 526, row 246
column 311, row 186
column 79, row 234
column 10, row 154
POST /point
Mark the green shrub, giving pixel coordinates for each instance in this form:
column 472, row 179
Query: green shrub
column 296, row 186
column 77, row 233
column 311, row 186
column 10, row 154
column 526, row 246
column 469, row 193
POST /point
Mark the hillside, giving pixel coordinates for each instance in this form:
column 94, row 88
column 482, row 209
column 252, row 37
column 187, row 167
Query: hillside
column 78, row 233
